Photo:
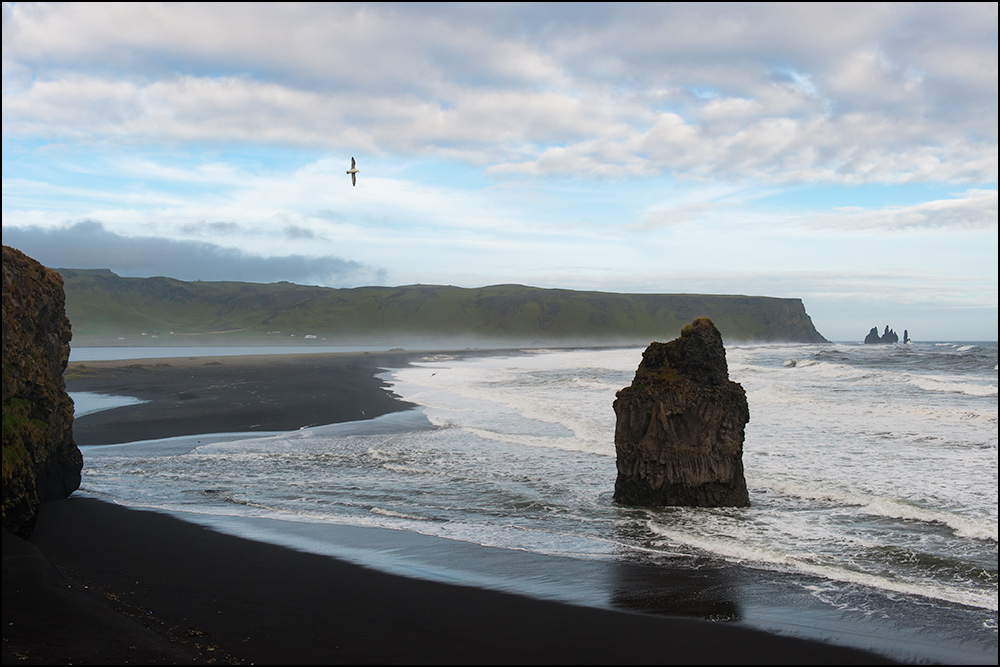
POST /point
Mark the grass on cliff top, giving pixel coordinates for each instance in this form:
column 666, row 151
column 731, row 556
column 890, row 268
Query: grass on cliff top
column 102, row 304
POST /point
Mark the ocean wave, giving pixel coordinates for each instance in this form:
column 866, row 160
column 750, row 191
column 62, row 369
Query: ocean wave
column 957, row 347
column 413, row 470
column 382, row 455
column 962, row 526
column 927, row 383
column 436, row 359
column 519, row 453
column 833, row 371
column 567, row 443
column 748, row 554
column 596, row 384
column 890, row 508
column 396, row 515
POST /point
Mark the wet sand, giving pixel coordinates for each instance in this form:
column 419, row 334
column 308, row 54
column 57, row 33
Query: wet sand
column 193, row 395
column 99, row 583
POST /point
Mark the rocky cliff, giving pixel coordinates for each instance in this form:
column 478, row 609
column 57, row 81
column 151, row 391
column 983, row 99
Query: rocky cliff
column 40, row 459
column 107, row 309
column 680, row 426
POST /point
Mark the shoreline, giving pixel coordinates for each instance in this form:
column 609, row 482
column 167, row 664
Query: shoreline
column 133, row 585
column 103, row 583
column 233, row 394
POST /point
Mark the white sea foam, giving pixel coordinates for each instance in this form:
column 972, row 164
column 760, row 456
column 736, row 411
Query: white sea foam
column 857, row 474
column 975, row 527
column 952, row 385
column 747, row 553
column 841, row 372
column 86, row 402
column 963, row 526
column 564, row 443
column 394, row 514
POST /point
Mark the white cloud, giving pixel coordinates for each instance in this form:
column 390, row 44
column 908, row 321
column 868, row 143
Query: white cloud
column 565, row 144
column 975, row 209
column 583, row 88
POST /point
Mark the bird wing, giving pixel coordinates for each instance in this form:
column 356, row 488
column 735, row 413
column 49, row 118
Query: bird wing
column 354, row 179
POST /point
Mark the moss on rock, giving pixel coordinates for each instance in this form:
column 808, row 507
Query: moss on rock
column 40, row 458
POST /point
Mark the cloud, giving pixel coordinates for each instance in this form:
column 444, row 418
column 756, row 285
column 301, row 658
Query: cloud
column 972, row 210
column 299, row 232
column 675, row 215
column 88, row 245
column 798, row 92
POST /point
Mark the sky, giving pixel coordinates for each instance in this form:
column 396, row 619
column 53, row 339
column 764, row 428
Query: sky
column 845, row 155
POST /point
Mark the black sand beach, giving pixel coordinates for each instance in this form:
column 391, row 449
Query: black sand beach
column 192, row 395
column 102, row 584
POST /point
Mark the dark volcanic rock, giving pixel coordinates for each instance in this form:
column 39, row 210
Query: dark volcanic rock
column 888, row 337
column 40, row 459
column 680, row 426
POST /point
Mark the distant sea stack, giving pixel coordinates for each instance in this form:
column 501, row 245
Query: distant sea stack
column 888, row 337
column 40, row 458
column 680, row 426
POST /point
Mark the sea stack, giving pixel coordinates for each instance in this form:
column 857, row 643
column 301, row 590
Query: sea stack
column 888, row 337
column 680, row 426
column 40, row 458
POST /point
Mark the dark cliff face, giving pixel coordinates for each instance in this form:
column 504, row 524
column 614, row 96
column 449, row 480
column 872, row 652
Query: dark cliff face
column 106, row 308
column 680, row 426
column 889, row 337
column 40, row 459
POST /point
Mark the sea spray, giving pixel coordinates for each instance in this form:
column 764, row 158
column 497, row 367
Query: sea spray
column 873, row 479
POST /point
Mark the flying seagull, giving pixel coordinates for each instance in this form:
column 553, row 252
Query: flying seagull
column 353, row 171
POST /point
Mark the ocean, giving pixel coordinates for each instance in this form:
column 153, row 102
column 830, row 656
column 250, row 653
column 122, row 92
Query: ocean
column 872, row 473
